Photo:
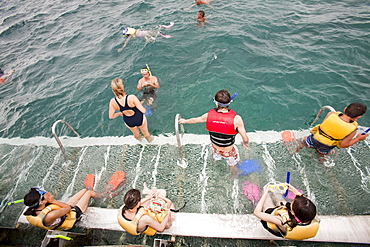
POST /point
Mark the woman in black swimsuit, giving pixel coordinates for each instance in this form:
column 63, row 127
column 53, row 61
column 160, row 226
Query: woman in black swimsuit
column 131, row 109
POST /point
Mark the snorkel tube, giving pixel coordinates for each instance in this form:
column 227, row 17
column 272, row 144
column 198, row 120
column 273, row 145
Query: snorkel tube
column 365, row 132
column 15, row 202
column 287, row 181
column 150, row 72
column 225, row 104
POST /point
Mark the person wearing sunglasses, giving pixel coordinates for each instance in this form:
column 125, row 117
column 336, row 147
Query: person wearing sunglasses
column 45, row 212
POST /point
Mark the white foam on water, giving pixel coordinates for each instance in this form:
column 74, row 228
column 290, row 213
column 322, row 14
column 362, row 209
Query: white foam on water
column 255, row 137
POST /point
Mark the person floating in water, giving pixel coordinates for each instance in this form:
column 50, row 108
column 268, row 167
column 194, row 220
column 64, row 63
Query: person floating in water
column 149, row 35
column 146, row 216
column 199, row 2
column 4, row 76
column 223, row 124
column 200, row 18
column 296, row 220
column 337, row 130
column 149, row 83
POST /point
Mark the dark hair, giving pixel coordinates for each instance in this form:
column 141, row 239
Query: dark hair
column 201, row 12
column 223, row 96
column 32, row 199
column 303, row 209
column 355, row 110
column 1, row 72
column 131, row 199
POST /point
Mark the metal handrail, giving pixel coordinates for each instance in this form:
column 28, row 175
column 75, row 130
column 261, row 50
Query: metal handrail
column 57, row 138
column 321, row 110
column 177, row 118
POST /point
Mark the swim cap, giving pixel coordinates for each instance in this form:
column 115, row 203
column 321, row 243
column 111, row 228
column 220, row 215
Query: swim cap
column 127, row 31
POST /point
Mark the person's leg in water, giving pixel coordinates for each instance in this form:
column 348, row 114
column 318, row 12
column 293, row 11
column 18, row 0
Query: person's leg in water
column 144, row 130
column 136, row 132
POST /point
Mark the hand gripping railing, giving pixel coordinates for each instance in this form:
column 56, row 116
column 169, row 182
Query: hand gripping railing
column 321, row 110
column 57, row 138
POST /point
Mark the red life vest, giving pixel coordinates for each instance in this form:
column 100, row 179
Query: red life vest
column 221, row 122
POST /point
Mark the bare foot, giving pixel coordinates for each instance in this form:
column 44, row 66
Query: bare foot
column 149, row 138
column 146, row 190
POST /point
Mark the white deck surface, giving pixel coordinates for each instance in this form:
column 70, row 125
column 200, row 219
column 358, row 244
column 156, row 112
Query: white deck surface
column 347, row 229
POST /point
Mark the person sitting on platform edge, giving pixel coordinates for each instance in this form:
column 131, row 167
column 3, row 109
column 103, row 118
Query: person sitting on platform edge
column 296, row 220
column 223, row 124
column 150, row 84
column 137, row 217
column 337, row 130
column 47, row 213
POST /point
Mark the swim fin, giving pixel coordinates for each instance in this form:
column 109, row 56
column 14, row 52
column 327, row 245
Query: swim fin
column 89, row 181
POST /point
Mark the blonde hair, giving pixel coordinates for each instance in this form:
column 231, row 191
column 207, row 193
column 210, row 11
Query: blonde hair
column 117, row 87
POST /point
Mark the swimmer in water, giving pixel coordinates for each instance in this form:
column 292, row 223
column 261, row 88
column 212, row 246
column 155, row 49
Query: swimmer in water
column 149, row 83
column 4, row 76
column 149, row 35
column 199, row 2
column 200, row 18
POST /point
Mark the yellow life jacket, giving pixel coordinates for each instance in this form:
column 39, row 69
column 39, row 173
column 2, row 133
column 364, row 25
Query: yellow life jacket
column 333, row 130
column 298, row 232
column 38, row 220
column 131, row 225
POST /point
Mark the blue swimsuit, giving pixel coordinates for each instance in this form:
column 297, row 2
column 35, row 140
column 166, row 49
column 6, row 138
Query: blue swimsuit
column 136, row 119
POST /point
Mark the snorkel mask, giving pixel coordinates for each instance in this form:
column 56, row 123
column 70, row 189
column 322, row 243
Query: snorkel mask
column 124, row 31
column 41, row 193
column 225, row 104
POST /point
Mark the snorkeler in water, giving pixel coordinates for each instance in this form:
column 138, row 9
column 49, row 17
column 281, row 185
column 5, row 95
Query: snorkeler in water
column 4, row 76
column 149, row 35
column 199, row 2
column 200, row 18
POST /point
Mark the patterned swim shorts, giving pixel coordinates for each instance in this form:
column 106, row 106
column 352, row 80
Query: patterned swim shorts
column 232, row 157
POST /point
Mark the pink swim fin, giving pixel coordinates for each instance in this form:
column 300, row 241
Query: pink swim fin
column 165, row 36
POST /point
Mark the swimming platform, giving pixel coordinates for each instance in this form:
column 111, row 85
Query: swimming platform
column 333, row 228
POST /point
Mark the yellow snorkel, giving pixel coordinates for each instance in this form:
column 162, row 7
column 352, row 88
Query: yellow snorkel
column 150, row 72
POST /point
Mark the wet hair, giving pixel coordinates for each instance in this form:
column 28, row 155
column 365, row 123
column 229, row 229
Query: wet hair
column 117, row 87
column 131, row 199
column 201, row 12
column 303, row 209
column 32, row 199
column 223, row 96
column 355, row 110
column 1, row 72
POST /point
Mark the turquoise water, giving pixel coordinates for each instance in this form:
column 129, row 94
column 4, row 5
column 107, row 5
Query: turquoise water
column 285, row 59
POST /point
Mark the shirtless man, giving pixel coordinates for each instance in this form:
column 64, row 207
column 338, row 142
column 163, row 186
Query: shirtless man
column 150, row 84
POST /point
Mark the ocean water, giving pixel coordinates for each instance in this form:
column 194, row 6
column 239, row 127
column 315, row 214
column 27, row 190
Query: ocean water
column 284, row 59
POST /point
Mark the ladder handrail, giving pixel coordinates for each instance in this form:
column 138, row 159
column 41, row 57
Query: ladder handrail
column 177, row 118
column 321, row 110
column 57, row 138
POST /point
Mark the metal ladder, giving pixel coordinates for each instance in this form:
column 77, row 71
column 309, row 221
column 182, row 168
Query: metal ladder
column 57, row 138
column 320, row 112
